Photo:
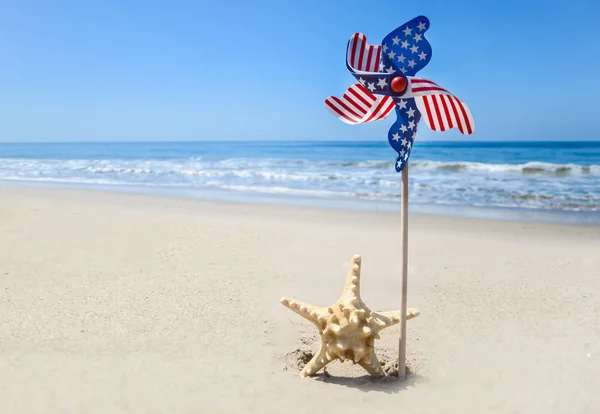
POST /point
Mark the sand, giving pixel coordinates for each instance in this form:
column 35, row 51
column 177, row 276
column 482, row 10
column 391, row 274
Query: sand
column 117, row 303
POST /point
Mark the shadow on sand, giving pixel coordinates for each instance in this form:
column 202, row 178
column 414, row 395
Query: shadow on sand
column 388, row 384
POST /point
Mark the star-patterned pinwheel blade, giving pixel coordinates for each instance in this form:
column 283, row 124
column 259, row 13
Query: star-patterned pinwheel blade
column 401, row 135
column 405, row 49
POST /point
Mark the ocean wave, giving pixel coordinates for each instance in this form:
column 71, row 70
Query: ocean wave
column 528, row 185
column 372, row 164
column 285, row 190
column 529, row 168
column 282, row 168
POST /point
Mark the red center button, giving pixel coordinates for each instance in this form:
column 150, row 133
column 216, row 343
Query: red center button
column 398, row 84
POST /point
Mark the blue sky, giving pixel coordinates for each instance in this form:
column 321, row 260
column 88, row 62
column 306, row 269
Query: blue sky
column 213, row 70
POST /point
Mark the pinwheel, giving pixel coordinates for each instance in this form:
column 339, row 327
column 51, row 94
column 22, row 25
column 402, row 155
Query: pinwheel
column 387, row 82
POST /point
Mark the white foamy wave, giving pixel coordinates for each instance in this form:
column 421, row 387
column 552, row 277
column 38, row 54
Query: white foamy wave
column 281, row 169
column 285, row 190
column 530, row 185
column 527, row 168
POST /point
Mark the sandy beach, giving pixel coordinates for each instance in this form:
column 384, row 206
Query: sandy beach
column 121, row 303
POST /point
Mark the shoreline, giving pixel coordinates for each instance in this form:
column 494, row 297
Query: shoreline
column 580, row 218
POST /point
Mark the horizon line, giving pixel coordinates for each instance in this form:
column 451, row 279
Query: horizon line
column 299, row 140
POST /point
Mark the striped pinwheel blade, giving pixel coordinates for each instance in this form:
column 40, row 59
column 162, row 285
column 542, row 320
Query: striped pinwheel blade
column 440, row 108
column 358, row 105
column 361, row 57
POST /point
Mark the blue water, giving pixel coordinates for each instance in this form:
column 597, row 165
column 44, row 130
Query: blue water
column 558, row 176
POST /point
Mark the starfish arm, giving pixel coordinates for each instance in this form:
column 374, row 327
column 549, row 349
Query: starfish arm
column 311, row 312
column 393, row 317
column 319, row 361
column 352, row 287
column 382, row 320
column 371, row 364
column 412, row 313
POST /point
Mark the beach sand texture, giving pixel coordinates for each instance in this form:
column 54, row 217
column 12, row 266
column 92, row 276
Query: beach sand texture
column 117, row 303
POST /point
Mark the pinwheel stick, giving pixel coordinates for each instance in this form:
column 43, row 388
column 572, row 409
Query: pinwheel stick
column 403, row 303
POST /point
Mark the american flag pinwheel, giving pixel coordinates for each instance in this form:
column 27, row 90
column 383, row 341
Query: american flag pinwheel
column 387, row 82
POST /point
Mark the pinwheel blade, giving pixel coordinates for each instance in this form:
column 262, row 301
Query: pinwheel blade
column 362, row 57
column 401, row 135
column 405, row 49
column 358, row 105
column 440, row 108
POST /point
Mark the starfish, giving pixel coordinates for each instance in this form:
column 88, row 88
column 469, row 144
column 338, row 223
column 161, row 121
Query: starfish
column 348, row 328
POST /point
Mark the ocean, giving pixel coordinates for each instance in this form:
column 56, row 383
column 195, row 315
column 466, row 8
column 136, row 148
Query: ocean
column 557, row 181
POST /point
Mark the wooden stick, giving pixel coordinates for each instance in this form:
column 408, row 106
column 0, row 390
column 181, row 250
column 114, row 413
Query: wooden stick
column 403, row 303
